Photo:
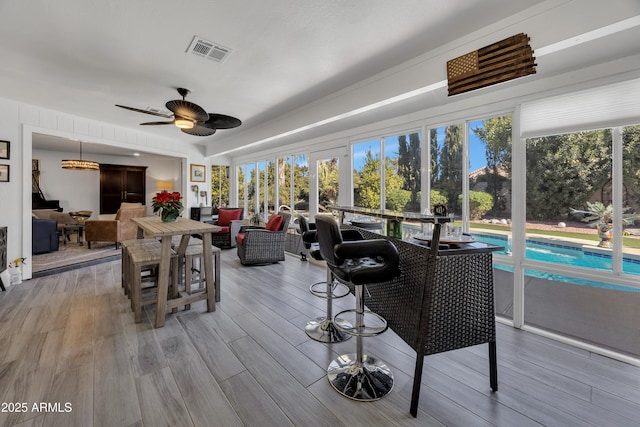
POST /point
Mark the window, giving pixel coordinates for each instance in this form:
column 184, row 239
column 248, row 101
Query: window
column 301, row 184
column 571, row 189
column 285, row 190
column 328, row 185
column 402, row 172
column 366, row 174
column 488, row 204
column 565, row 177
column 242, row 185
column 262, row 197
column 251, row 193
column 446, row 167
column 271, row 187
column 490, row 169
column 219, row 186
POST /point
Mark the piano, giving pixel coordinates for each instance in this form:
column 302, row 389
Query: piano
column 38, row 201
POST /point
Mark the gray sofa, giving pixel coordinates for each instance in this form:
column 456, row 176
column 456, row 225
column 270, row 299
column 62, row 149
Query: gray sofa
column 44, row 236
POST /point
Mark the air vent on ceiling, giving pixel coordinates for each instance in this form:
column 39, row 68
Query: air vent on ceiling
column 208, row 49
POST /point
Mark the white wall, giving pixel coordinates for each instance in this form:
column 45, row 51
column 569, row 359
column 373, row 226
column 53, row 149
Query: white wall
column 79, row 190
column 10, row 193
column 18, row 121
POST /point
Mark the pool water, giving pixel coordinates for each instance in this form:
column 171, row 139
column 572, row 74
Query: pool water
column 566, row 255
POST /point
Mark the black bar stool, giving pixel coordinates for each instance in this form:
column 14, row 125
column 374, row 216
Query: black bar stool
column 323, row 328
column 358, row 376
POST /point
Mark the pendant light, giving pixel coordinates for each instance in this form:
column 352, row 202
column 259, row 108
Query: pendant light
column 80, row 165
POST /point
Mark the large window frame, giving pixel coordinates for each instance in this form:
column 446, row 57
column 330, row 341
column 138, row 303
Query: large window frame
column 526, row 116
column 262, row 184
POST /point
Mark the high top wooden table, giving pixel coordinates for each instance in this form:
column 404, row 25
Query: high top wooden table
column 153, row 226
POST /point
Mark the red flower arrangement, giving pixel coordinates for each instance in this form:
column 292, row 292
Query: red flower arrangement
column 168, row 204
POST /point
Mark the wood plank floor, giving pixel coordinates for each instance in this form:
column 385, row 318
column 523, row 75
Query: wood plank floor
column 69, row 341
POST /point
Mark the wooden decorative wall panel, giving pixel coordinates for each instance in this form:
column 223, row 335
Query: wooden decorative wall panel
column 505, row 60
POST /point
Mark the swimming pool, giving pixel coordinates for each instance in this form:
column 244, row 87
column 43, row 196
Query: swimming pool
column 558, row 253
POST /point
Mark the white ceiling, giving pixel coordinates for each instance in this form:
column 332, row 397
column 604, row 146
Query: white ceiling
column 83, row 57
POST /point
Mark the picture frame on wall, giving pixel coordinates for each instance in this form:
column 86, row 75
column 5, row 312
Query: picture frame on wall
column 197, row 173
column 4, row 150
column 4, row 173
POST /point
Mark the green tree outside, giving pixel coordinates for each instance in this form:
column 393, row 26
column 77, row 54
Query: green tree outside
column 367, row 184
column 219, row 186
column 496, row 135
column 409, row 169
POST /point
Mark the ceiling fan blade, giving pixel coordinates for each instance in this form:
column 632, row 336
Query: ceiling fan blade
column 220, row 121
column 144, row 111
column 155, row 123
column 199, row 130
column 188, row 110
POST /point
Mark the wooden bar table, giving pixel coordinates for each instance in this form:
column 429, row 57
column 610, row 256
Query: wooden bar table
column 153, row 226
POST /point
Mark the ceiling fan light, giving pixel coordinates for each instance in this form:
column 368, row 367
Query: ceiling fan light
column 184, row 123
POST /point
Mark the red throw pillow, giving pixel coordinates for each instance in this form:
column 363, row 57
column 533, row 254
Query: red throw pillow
column 240, row 238
column 225, row 216
column 274, row 223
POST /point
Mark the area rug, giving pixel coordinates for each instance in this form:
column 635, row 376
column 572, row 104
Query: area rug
column 72, row 256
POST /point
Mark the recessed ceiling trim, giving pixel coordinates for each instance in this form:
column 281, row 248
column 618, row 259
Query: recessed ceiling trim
column 546, row 50
column 598, row 33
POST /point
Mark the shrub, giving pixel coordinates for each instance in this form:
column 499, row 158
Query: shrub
column 479, row 203
column 398, row 199
column 437, row 198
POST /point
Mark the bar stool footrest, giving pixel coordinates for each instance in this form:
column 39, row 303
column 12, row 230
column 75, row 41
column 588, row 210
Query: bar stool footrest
column 365, row 331
column 326, row 294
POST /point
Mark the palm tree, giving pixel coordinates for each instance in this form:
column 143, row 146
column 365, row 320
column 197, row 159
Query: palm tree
column 598, row 213
column 600, row 216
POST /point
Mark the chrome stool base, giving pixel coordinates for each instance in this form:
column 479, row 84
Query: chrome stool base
column 367, row 381
column 327, row 331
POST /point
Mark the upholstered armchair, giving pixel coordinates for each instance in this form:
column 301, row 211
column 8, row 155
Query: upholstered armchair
column 114, row 230
column 230, row 221
column 263, row 245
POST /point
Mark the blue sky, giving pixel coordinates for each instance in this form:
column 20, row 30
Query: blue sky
column 476, row 147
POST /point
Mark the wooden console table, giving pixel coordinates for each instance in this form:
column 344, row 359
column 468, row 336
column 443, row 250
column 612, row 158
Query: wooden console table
column 443, row 300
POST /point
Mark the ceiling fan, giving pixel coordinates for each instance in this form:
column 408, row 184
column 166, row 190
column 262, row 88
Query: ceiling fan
column 189, row 117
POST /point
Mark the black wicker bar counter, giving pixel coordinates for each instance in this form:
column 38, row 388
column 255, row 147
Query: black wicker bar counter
column 442, row 301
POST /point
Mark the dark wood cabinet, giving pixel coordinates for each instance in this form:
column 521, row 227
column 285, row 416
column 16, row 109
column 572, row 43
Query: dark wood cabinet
column 121, row 184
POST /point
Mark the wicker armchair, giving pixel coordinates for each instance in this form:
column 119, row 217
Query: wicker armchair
column 230, row 221
column 261, row 245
